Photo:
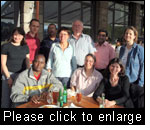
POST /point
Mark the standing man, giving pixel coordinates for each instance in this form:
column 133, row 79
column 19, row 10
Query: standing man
column 82, row 43
column 32, row 40
column 105, row 52
column 47, row 42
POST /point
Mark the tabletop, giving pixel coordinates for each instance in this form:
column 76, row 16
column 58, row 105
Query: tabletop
column 86, row 102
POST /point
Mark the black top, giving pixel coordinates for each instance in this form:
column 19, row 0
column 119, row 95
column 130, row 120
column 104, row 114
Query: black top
column 46, row 45
column 119, row 93
column 16, row 56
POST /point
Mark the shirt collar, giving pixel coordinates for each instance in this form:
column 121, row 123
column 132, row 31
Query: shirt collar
column 104, row 44
column 74, row 36
column 28, row 35
column 31, row 75
column 84, row 74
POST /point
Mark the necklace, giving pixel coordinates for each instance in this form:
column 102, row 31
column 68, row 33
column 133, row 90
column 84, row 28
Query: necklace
column 114, row 81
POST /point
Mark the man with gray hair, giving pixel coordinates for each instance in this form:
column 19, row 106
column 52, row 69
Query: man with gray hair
column 82, row 43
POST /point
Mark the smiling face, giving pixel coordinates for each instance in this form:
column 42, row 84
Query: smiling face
column 129, row 36
column 63, row 36
column 114, row 68
column 17, row 37
column 89, row 63
column 101, row 37
column 34, row 27
column 77, row 27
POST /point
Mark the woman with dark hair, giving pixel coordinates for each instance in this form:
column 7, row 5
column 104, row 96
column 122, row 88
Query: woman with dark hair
column 14, row 59
column 86, row 78
column 62, row 61
column 132, row 57
column 115, row 86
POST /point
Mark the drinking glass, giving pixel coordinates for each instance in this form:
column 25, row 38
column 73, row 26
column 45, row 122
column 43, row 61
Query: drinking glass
column 49, row 98
column 55, row 96
column 78, row 95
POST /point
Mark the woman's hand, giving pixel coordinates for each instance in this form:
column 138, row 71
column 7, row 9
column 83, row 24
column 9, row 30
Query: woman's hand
column 109, row 103
column 10, row 82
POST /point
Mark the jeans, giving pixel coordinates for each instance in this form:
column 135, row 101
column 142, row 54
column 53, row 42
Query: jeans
column 6, row 91
column 64, row 81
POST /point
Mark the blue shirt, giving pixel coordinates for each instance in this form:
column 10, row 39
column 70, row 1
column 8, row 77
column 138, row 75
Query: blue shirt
column 135, row 63
column 46, row 45
column 62, row 63
column 83, row 46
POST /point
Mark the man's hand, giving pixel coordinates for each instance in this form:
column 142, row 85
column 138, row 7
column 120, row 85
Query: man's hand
column 35, row 99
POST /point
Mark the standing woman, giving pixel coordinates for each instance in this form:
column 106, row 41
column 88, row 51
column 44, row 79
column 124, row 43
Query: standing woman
column 132, row 57
column 62, row 61
column 14, row 59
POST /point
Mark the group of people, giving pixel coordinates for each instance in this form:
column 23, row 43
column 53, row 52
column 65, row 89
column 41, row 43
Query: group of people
column 30, row 69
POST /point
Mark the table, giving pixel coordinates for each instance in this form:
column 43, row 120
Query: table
column 86, row 102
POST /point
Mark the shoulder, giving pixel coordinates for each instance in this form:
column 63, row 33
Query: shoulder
column 86, row 36
column 78, row 71
column 124, row 78
column 24, row 73
column 6, row 45
column 140, row 48
column 98, row 74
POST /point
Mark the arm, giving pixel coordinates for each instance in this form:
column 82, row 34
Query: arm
column 98, row 92
column 28, row 61
column 141, row 71
column 55, row 82
column 125, row 90
column 73, row 81
column 17, row 94
column 50, row 59
column 5, row 69
column 112, row 53
column 92, row 48
column 73, row 62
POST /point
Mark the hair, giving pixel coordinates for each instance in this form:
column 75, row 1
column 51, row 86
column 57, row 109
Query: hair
column 135, row 32
column 20, row 31
column 118, row 61
column 78, row 21
column 34, row 20
column 37, row 55
column 94, row 58
column 64, row 29
column 52, row 24
column 102, row 30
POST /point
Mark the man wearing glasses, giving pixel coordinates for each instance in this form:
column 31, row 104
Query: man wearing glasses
column 104, row 53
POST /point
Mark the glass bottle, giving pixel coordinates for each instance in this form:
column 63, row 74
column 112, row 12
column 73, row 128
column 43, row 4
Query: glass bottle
column 65, row 94
column 102, row 103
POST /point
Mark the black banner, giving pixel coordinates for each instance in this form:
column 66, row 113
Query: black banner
column 72, row 116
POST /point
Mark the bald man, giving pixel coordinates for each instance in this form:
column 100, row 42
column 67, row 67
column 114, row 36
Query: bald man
column 32, row 83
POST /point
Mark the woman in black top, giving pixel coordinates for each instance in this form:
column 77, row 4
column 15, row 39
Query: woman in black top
column 14, row 59
column 115, row 86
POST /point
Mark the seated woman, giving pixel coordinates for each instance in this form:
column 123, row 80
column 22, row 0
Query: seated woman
column 87, row 78
column 115, row 86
